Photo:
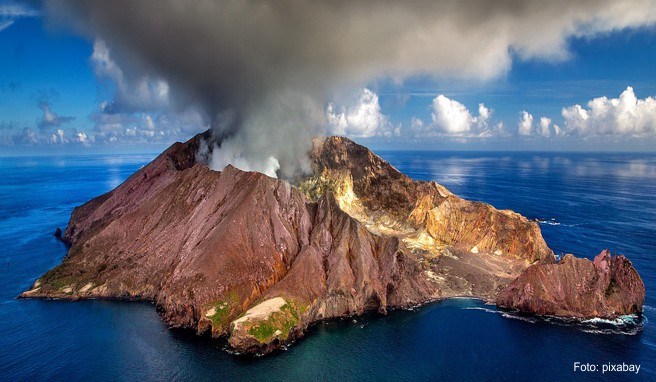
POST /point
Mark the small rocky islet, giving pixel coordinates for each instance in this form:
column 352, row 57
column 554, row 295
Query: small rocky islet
column 256, row 259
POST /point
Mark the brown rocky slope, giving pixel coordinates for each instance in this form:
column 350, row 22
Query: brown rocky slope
column 606, row 287
column 256, row 259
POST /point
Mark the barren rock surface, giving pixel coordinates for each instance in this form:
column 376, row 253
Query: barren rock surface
column 609, row 286
column 257, row 259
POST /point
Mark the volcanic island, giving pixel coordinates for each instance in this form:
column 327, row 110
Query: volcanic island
column 257, row 260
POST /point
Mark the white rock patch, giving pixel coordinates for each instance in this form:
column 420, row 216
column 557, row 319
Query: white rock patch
column 262, row 310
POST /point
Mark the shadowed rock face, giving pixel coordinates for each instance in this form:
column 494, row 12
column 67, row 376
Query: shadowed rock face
column 256, row 259
column 606, row 287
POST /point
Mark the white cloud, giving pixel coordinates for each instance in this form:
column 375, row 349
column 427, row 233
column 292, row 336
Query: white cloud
column 50, row 119
column 82, row 138
column 558, row 131
column 452, row 119
column 132, row 94
column 416, row 126
column 133, row 128
column 16, row 10
column 544, row 127
column 279, row 46
column 337, row 123
column 483, row 113
column 140, row 111
column 525, row 127
column 623, row 116
column 26, row 137
column 362, row 120
column 10, row 12
column 60, row 136
column 451, row 116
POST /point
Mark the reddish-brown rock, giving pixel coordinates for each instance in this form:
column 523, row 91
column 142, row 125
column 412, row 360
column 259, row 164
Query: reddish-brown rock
column 256, row 259
column 607, row 287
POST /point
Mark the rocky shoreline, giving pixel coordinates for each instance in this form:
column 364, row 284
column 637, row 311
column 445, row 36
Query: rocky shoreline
column 257, row 260
column 606, row 287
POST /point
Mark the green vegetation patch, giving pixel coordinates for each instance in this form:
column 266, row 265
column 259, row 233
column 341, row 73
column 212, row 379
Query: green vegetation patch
column 222, row 310
column 283, row 321
column 57, row 279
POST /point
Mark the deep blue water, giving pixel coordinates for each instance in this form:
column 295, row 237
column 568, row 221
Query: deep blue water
column 587, row 202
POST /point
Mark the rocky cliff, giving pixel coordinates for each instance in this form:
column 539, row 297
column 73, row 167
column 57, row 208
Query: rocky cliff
column 606, row 287
column 257, row 259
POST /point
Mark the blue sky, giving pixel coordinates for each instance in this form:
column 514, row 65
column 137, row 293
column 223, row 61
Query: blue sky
column 602, row 66
column 54, row 97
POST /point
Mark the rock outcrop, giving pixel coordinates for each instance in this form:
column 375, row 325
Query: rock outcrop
column 256, row 259
column 609, row 286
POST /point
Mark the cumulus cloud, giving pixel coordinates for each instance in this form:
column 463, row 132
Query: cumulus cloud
column 525, row 126
column 543, row 129
column 558, row 131
column 451, row 118
column 362, row 120
column 416, row 125
column 623, row 116
column 246, row 58
column 133, row 128
column 60, row 136
column 82, row 138
column 483, row 114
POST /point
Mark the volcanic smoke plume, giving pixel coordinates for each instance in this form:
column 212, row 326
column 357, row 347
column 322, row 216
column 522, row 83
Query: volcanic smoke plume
column 261, row 71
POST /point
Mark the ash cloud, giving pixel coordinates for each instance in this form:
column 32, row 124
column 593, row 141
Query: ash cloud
column 262, row 71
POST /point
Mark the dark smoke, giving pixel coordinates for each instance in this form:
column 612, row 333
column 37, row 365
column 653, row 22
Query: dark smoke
column 261, row 71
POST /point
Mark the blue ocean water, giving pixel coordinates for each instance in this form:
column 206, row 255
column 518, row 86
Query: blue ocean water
column 586, row 202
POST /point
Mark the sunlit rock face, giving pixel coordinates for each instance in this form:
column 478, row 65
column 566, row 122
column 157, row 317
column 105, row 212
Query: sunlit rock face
column 609, row 286
column 257, row 259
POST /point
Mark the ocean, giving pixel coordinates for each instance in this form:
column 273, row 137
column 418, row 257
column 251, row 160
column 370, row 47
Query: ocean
column 584, row 203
